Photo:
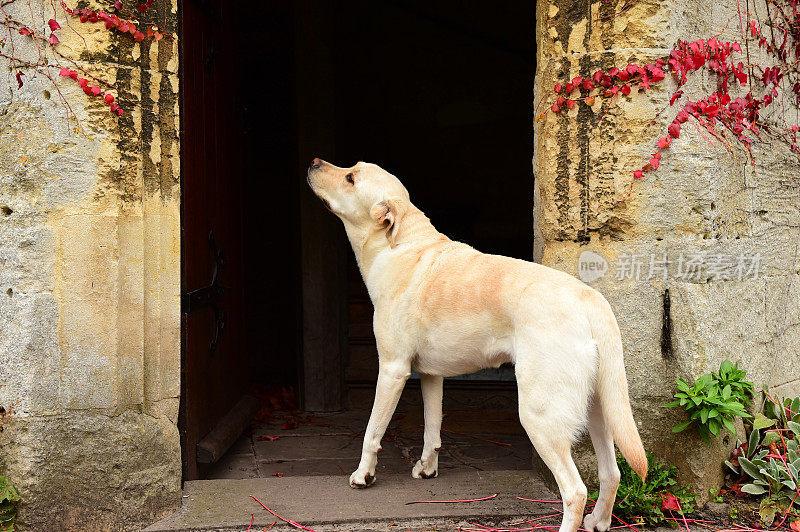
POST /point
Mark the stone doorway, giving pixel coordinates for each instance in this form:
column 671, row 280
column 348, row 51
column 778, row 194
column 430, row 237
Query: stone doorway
column 441, row 97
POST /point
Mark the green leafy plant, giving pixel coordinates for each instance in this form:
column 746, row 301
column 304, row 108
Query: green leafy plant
column 714, row 401
column 652, row 500
column 8, row 494
column 783, row 412
column 774, row 479
column 729, row 374
column 8, row 505
column 770, row 459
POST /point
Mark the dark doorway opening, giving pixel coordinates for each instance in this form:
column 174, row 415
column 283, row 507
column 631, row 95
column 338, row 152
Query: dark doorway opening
column 439, row 93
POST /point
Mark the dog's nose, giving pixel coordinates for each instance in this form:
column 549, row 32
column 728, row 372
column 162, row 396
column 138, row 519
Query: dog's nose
column 316, row 162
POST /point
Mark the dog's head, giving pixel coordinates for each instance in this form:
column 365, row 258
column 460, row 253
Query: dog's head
column 364, row 196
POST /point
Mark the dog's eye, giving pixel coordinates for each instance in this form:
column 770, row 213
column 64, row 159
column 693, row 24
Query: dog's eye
column 349, row 178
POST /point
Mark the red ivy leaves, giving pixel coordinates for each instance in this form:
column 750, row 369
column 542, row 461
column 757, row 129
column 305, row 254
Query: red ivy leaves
column 655, row 160
column 114, row 22
column 719, row 108
column 670, row 502
column 111, row 21
column 613, row 82
column 714, row 55
column 93, row 90
column 771, row 75
column 739, row 115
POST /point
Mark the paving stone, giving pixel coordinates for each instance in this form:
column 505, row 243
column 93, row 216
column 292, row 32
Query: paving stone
column 310, row 467
column 332, row 441
column 299, row 448
column 337, row 423
column 234, row 466
column 328, row 503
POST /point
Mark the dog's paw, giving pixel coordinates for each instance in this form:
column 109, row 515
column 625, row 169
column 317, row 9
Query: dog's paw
column 593, row 523
column 422, row 471
column 361, row 479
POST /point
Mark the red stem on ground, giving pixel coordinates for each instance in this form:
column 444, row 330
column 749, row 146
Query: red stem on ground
column 293, row 523
column 457, row 500
column 539, row 500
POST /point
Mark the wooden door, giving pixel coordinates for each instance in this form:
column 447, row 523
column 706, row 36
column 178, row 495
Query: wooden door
column 214, row 362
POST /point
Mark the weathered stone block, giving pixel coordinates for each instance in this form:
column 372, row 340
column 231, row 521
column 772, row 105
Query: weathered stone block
column 83, row 471
column 706, row 200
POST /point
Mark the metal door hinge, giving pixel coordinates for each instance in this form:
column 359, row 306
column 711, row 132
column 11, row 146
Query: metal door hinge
column 209, row 296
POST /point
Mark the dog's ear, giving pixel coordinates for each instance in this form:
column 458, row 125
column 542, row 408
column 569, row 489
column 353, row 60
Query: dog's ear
column 389, row 212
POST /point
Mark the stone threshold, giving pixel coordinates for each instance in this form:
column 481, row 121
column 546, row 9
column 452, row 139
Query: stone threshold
column 328, row 502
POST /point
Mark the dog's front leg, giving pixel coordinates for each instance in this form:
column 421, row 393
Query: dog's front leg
column 391, row 380
column 428, row 465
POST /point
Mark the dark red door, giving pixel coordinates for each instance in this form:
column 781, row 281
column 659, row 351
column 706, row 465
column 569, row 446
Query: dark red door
column 214, row 362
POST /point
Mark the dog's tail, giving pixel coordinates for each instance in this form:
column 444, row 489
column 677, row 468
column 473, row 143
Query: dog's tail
column 612, row 388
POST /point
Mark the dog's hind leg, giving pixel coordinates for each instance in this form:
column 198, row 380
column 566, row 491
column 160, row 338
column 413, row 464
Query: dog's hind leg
column 554, row 449
column 608, row 472
column 554, row 389
column 428, row 465
column 391, row 380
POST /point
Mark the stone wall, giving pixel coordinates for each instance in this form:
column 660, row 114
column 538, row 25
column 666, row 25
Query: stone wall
column 90, row 253
column 90, row 279
column 703, row 199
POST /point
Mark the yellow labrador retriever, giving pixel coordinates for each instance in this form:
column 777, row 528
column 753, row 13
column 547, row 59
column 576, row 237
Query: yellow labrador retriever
column 444, row 309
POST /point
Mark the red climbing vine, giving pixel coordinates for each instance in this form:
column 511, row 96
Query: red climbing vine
column 725, row 115
column 47, row 44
